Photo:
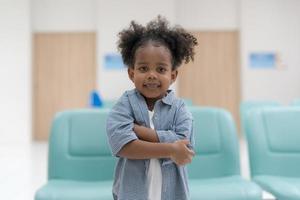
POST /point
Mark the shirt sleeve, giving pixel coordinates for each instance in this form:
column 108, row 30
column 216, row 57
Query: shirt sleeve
column 183, row 128
column 119, row 125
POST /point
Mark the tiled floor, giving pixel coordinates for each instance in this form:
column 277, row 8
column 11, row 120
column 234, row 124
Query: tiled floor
column 24, row 169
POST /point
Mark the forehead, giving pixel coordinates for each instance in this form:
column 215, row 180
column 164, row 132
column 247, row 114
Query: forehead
column 153, row 51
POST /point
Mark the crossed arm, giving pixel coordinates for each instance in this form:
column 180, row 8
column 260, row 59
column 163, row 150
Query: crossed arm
column 145, row 133
column 146, row 142
column 149, row 146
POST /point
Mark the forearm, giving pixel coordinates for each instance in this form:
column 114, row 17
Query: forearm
column 146, row 134
column 151, row 135
column 139, row 149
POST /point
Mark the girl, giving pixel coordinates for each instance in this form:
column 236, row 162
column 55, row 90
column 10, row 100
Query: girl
column 149, row 129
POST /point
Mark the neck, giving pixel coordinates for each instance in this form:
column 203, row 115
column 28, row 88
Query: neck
column 150, row 103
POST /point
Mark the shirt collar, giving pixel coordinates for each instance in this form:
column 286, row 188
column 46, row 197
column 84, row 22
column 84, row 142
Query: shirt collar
column 167, row 99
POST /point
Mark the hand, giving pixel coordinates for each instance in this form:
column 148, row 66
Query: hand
column 181, row 154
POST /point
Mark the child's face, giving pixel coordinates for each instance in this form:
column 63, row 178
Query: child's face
column 152, row 72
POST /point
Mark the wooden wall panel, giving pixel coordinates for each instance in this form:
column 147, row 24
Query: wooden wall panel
column 213, row 79
column 64, row 73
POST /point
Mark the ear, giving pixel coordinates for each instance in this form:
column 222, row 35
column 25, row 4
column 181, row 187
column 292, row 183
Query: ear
column 174, row 74
column 130, row 72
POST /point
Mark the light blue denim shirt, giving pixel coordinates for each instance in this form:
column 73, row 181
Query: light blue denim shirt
column 172, row 122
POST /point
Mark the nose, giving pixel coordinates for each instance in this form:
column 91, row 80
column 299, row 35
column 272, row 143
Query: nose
column 151, row 75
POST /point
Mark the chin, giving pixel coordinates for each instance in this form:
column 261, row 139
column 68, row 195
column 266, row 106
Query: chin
column 159, row 96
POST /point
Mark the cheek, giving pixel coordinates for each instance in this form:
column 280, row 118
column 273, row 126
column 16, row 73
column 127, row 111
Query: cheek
column 166, row 80
column 138, row 78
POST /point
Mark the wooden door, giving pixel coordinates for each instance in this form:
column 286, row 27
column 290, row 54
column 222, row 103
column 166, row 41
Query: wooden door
column 64, row 73
column 213, row 79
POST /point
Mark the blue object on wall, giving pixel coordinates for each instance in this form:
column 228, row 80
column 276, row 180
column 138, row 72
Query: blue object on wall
column 95, row 99
column 262, row 60
column 113, row 61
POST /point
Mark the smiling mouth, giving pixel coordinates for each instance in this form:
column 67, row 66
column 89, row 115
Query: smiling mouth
column 151, row 85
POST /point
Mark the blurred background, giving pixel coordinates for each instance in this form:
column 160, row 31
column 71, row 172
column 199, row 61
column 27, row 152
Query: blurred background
column 54, row 53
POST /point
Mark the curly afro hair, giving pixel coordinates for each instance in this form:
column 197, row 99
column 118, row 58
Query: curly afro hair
column 180, row 43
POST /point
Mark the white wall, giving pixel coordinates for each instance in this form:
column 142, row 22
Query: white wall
column 208, row 14
column 113, row 16
column 63, row 15
column 271, row 25
column 15, row 71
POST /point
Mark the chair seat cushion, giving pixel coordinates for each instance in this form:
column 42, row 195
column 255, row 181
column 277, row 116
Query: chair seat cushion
column 285, row 188
column 75, row 190
column 225, row 188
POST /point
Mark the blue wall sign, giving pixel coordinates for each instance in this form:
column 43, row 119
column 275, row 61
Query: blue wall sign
column 262, row 60
column 113, row 61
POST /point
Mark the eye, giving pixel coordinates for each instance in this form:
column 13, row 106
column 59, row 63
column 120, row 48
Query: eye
column 143, row 68
column 161, row 69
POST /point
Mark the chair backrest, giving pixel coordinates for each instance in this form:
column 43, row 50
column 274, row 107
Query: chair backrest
column 216, row 145
column 247, row 106
column 296, row 102
column 273, row 136
column 109, row 103
column 78, row 148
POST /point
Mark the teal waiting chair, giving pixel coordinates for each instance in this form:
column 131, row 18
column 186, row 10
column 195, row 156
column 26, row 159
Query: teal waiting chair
column 296, row 102
column 80, row 165
column 247, row 106
column 215, row 170
column 109, row 103
column 273, row 136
